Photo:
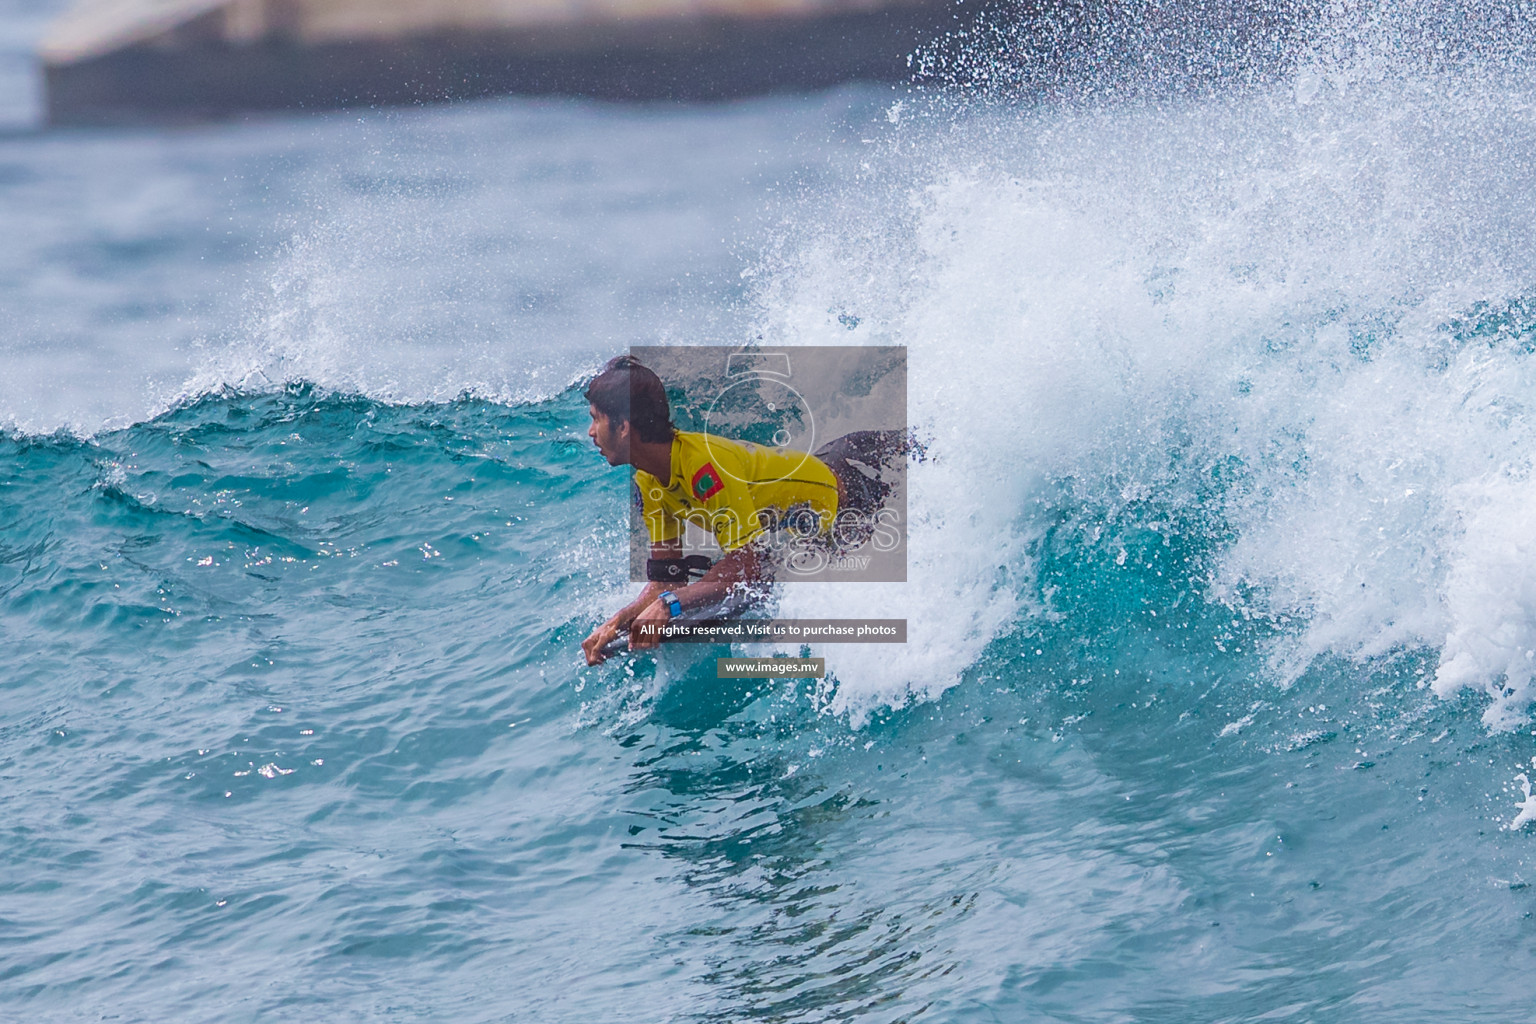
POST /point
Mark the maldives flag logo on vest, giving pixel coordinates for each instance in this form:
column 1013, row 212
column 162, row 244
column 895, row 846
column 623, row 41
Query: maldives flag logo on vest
column 706, row 482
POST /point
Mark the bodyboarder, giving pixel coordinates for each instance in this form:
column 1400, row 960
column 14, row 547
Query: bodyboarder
column 738, row 492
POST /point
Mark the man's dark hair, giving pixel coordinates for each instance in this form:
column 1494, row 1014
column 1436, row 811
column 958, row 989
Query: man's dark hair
column 627, row 391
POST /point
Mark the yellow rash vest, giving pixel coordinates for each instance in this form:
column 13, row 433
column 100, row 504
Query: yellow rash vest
column 733, row 489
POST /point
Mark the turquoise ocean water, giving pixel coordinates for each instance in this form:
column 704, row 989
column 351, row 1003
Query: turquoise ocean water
column 1222, row 581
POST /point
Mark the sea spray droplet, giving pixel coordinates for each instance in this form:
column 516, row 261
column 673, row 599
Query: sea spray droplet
column 1308, row 84
column 1527, row 805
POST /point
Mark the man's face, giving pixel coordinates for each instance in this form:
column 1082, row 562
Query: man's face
column 614, row 444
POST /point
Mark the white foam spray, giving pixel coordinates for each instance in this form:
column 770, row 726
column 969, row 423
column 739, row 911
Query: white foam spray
column 1320, row 280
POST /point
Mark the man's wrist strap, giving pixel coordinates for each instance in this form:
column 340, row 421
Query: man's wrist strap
column 673, row 604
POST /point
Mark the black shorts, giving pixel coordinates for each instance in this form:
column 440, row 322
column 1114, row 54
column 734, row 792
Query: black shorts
column 860, row 460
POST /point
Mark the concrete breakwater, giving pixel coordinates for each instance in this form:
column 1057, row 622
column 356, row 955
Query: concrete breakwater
column 124, row 60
